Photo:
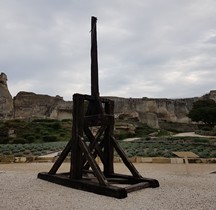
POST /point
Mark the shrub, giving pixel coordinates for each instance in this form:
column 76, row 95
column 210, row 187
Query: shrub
column 44, row 120
column 168, row 155
column 19, row 141
column 18, row 154
column 3, row 131
column 62, row 134
column 204, row 154
column 15, row 150
column 6, row 152
column 27, row 152
column 141, row 154
column 159, row 153
column 50, row 138
column 55, row 125
column 150, row 153
column 201, row 140
column 214, row 130
column 37, row 153
column 213, row 154
column 130, row 154
column 123, row 135
column 203, row 110
column 67, row 120
column 4, row 140
column 30, row 139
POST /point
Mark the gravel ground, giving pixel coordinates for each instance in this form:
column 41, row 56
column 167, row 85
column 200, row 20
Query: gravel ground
column 20, row 189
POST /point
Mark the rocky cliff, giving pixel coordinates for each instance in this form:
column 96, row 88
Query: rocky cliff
column 29, row 105
column 152, row 111
column 6, row 101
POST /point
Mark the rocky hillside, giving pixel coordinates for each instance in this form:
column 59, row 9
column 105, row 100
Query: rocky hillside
column 153, row 112
column 6, row 101
column 29, row 105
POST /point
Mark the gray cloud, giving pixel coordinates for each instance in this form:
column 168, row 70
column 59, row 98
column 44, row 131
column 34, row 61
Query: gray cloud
column 146, row 48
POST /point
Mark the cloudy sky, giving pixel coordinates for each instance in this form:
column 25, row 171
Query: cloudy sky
column 147, row 48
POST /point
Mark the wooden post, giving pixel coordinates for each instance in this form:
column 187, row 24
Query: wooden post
column 94, row 59
column 108, row 148
column 77, row 132
column 186, row 164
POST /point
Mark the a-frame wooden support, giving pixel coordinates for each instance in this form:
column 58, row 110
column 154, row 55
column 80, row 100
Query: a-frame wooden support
column 92, row 136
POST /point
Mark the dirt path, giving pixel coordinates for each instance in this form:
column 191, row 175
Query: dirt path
column 193, row 134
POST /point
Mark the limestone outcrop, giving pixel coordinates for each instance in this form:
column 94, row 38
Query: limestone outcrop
column 151, row 111
column 210, row 95
column 155, row 112
column 6, row 101
column 28, row 105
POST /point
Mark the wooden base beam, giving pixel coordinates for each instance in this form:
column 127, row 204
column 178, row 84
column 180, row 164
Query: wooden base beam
column 86, row 185
column 91, row 185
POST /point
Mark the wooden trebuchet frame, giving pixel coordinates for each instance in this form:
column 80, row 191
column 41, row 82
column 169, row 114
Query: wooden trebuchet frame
column 92, row 137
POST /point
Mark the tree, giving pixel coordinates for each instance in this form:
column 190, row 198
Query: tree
column 204, row 110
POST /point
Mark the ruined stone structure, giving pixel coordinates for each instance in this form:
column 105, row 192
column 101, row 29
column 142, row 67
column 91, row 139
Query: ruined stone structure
column 6, row 101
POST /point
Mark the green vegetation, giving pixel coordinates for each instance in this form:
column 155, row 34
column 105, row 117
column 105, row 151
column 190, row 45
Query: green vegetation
column 32, row 149
column 40, row 137
column 163, row 147
column 36, row 131
column 204, row 111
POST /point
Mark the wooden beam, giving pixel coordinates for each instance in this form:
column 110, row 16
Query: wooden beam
column 77, row 131
column 61, row 158
column 137, row 186
column 112, row 191
column 108, row 147
column 124, row 158
column 94, row 59
column 94, row 143
column 98, row 120
column 101, row 178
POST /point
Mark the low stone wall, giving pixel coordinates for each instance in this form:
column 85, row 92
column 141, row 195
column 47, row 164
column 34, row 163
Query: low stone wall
column 12, row 159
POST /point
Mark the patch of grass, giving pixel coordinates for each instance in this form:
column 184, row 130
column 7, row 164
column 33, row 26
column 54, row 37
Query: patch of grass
column 200, row 140
column 31, row 149
column 165, row 146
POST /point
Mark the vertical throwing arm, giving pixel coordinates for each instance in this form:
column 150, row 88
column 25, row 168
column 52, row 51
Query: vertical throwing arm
column 94, row 59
